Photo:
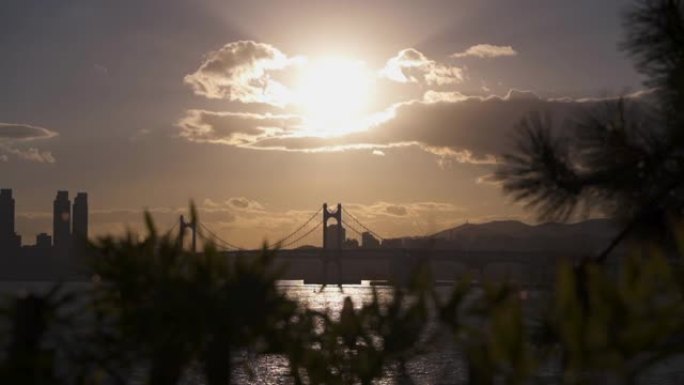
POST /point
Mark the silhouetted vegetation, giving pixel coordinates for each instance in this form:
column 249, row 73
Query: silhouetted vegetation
column 155, row 313
column 626, row 161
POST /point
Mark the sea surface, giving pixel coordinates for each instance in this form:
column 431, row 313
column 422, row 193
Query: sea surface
column 442, row 364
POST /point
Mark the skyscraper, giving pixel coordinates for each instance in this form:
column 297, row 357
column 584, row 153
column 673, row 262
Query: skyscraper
column 61, row 221
column 368, row 241
column 8, row 238
column 80, row 217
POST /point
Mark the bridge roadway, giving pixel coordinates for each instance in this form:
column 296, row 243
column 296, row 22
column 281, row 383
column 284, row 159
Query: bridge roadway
column 350, row 266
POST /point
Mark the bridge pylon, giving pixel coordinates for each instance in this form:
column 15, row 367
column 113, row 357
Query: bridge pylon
column 337, row 240
column 193, row 227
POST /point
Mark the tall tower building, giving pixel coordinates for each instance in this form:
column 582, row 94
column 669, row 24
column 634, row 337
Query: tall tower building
column 61, row 221
column 8, row 238
column 80, row 217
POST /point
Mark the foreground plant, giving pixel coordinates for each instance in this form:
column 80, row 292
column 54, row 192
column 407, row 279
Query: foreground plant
column 169, row 308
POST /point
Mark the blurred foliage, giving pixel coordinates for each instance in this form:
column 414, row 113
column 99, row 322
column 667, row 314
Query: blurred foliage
column 155, row 313
column 170, row 308
column 625, row 160
column 620, row 326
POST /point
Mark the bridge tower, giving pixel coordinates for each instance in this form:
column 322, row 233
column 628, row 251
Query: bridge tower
column 338, row 237
column 193, row 227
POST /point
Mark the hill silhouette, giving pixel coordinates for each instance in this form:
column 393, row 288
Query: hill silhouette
column 509, row 235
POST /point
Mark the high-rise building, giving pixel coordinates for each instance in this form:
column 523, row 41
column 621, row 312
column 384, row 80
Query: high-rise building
column 80, row 217
column 8, row 238
column 6, row 214
column 368, row 241
column 61, row 221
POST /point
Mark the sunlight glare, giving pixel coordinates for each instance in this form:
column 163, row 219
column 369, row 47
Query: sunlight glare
column 333, row 94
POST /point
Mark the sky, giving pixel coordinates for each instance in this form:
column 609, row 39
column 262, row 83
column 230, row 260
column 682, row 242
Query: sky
column 260, row 111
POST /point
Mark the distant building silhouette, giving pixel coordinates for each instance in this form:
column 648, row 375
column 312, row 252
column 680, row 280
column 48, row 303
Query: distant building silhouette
column 393, row 243
column 43, row 241
column 80, row 217
column 368, row 241
column 61, row 221
column 9, row 240
column 350, row 243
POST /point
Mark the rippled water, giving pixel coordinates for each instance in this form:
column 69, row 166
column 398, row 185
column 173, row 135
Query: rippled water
column 441, row 365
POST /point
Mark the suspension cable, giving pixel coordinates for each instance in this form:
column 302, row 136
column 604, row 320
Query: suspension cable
column 299, row 228
column 170, row 231
column 217, row 238
column 303, row 236
column 362, row 225
column 347, row 225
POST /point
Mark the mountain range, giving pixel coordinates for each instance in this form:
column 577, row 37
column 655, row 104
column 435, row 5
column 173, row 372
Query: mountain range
column 588, row 236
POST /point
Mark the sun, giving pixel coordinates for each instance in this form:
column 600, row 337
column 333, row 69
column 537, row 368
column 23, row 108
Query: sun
column 333, row 94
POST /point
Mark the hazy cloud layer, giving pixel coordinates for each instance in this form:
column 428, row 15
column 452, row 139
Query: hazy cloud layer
column 15, row 140
column 239, row 129
column 486, row 51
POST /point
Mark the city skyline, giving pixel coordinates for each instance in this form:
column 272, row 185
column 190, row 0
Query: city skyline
column 69, row 224
column 402, row 117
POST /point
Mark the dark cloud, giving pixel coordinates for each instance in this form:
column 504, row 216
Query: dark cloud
column 467, row 129
column 448, row 124
column 234, row 128
column 240, row 203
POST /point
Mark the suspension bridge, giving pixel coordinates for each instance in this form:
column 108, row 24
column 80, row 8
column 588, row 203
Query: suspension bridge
column 334, row 236
column 341, row 260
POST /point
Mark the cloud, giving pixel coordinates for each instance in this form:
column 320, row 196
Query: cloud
column 431, row 96
column 488, row 179
column 466, row 130
column 395, row 210
column 242, row 203
column 486, row 51
column 412, row 66
column 242, row 71
column 239, row 129
column 452, row 126
column 393, row 219
column 14, row 139
column 24, row 132
column 455, row 127
column 31, row 154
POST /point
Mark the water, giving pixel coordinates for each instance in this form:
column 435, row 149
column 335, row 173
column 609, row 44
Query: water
column 442, row 364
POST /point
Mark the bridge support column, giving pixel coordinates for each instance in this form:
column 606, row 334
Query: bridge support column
column 337, row 215
column 193, row 227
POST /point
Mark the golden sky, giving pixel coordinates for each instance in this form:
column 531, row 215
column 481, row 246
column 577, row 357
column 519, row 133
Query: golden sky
column 260, row 111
